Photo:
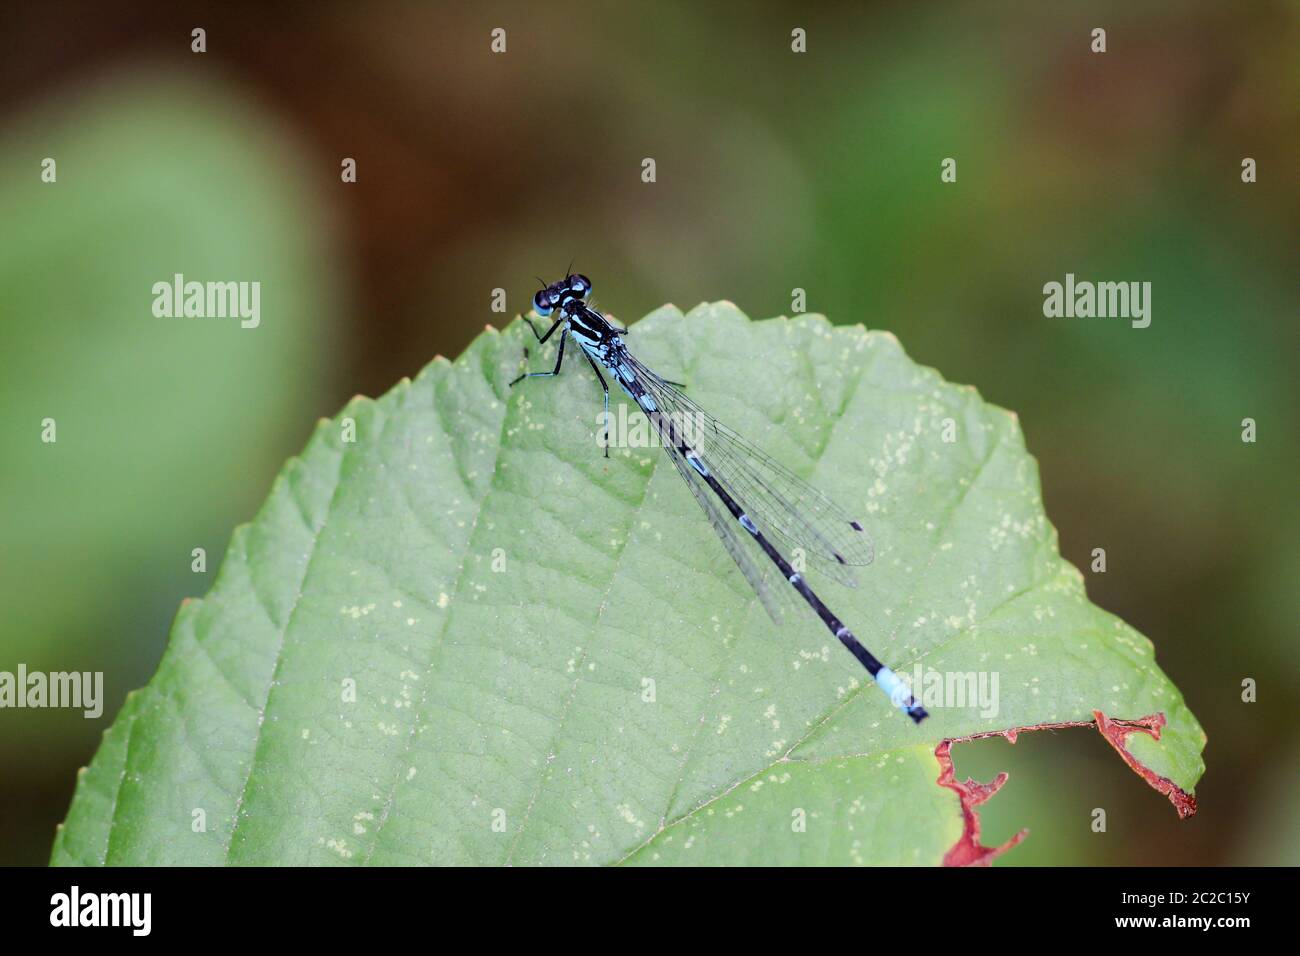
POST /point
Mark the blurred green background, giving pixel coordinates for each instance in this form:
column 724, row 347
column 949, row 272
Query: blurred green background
column 775, row 170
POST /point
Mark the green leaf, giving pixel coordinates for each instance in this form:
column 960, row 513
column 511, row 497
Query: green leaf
column 556, row 662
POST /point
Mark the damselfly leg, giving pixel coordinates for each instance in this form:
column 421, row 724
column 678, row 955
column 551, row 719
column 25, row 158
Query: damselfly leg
column 559, row 361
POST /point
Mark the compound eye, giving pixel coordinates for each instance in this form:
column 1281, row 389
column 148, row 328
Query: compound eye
column 580, row 285
column 542, row 302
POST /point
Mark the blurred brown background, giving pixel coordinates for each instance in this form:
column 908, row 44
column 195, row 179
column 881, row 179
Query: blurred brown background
column 775, row 170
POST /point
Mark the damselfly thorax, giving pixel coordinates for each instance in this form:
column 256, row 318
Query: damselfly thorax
column 589, row 327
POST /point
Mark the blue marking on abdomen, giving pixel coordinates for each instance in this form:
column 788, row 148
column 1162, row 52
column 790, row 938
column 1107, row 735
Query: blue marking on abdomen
column 698, row 465
column 646, row 401
column 747, row 524
column 897, row 691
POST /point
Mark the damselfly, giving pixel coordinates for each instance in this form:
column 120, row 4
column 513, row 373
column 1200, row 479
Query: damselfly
column 736, row 484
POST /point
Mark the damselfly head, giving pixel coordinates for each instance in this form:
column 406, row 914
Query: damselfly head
column 571, row 287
